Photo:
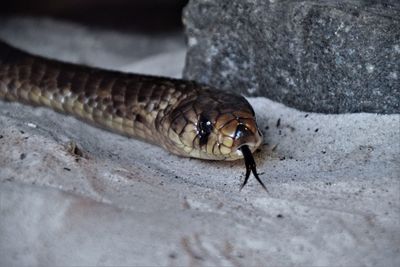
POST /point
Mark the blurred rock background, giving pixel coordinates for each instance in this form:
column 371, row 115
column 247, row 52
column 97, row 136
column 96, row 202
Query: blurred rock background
column 128, row 35
column 138, row 15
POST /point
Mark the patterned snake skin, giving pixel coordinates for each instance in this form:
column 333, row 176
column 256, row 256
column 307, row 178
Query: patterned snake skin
column 186, row 118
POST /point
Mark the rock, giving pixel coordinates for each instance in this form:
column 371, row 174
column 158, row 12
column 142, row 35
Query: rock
column 319, row 56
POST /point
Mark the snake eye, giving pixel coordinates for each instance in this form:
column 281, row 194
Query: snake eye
column 204, row 128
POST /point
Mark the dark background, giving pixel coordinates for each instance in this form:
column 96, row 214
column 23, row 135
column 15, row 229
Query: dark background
column 134, row 15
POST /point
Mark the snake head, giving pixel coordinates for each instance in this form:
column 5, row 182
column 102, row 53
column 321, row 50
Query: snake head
column 214, row 125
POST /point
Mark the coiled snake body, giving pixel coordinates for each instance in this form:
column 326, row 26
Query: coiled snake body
column 184, row 117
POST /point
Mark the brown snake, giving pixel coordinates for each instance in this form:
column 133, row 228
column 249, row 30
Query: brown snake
column 184, row 117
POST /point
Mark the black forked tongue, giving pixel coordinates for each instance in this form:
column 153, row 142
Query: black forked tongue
column 250, row 166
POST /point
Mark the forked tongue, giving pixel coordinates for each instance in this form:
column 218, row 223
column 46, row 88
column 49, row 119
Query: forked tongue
column 250, row 166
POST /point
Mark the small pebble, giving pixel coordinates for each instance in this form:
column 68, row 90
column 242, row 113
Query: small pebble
column 31, row 125
column 278, row 123
column 172, row 255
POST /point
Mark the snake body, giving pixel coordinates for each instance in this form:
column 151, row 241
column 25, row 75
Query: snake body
column 184, row 117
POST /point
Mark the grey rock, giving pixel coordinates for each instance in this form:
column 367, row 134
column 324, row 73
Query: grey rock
column 320, row 56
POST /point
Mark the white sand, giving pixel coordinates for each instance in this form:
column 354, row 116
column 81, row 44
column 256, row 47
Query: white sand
column 333, row 179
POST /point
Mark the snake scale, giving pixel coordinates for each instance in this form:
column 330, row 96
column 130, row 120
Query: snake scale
column 184, row 117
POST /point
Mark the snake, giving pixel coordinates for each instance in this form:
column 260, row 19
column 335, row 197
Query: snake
column 186, row 118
